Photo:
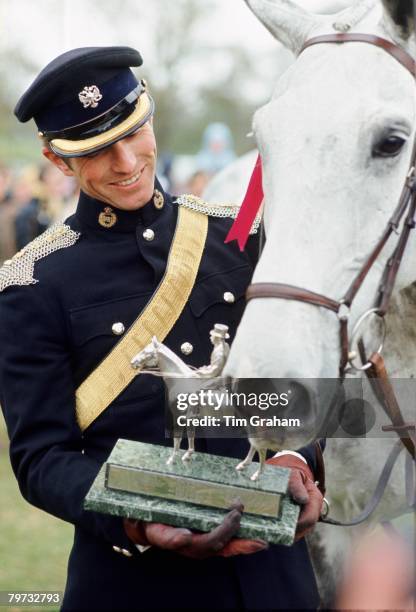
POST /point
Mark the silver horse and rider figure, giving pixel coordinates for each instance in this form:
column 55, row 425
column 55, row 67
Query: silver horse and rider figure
column 156, row 358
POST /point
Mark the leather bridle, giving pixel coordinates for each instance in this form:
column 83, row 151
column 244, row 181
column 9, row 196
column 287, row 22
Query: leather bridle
column 404, row 212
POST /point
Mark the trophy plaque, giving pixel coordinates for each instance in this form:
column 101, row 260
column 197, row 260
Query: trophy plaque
column 137, row 481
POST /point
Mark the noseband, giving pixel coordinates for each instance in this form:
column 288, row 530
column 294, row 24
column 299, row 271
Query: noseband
column 404, row 211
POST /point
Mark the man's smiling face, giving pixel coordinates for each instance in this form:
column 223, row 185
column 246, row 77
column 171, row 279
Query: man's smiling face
column 121, row 175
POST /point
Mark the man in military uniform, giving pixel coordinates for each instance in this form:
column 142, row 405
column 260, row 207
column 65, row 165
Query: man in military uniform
column 77, row 303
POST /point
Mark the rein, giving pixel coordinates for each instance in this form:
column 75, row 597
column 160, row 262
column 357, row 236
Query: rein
column 374, row 367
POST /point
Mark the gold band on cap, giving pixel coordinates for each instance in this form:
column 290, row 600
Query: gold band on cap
column 83, row 147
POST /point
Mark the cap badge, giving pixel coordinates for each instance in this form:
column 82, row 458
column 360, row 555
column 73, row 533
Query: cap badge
column 107, row 218
column 90, row 96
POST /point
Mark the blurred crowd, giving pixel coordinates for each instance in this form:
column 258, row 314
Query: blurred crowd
column 31, row 199
column 192, row 173
column 34, row 197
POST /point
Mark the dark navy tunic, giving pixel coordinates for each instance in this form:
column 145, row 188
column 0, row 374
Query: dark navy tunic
column 52, row 335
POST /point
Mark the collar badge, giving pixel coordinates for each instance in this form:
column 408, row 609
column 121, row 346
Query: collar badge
column 90, row 96
column 158, row 199
column 107, row 218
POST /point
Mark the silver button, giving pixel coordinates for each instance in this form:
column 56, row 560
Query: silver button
column 187, row 348
column 229, row 297
column 126, row 552
column 117, row 549
column 148, row 234
column 117, row 329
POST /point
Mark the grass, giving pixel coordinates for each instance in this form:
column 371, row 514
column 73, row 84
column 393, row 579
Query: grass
column 34, row 546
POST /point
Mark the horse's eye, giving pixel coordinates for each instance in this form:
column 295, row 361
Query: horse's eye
column 388, row 146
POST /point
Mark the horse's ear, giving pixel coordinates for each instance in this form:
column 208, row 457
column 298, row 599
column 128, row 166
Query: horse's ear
column 288, row 23
column 399, row 18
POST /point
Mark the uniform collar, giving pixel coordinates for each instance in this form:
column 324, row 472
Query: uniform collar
column 103, row 217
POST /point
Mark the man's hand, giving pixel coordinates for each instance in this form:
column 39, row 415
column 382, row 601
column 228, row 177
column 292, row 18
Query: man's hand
column 218, row 542
column 303, row 491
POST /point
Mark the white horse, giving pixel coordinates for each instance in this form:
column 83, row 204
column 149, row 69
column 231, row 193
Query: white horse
column 336, row 142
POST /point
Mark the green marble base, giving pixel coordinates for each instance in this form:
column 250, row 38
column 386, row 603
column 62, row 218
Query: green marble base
column 128, row 458
column 207, row 480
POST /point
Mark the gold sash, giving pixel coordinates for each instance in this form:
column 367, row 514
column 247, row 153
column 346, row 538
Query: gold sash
column 160, row 314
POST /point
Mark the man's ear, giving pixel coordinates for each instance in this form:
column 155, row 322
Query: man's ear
column 57, row 161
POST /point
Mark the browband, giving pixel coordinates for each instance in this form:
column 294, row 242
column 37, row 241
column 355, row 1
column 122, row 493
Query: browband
column 397, row 52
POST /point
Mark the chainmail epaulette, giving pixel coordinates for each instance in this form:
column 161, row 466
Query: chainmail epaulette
column 19, row 270
column 229, row 211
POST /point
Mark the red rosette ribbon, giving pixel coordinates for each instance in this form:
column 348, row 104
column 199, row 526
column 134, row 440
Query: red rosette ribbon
column 241, row 227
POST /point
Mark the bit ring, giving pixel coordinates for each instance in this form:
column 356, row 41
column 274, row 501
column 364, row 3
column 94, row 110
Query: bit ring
column 325, row 508
column 352, row 354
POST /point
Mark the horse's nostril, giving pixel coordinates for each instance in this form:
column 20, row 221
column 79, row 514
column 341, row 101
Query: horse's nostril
column 300, row 405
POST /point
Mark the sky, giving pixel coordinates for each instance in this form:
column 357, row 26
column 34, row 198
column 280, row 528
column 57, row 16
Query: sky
column 49, row 27
column 45, row 28
column 39, row 30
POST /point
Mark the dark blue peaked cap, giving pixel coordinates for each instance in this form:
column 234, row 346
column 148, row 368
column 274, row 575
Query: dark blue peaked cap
column 86, row 99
